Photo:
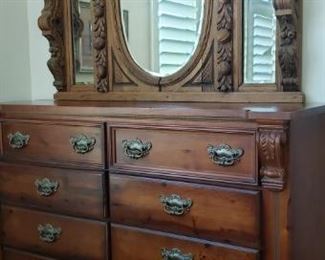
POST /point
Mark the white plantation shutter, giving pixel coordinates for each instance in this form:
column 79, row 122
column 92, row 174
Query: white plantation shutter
column 260, row 42
column 178, row 28
column 264, row 49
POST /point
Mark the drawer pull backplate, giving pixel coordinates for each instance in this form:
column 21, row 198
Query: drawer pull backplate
column 48, row 233
column 83, row 144
column 18, row 140
column 46, row 187
column 225, row 155
column 136, row 149
column 175, row 205
column 175, row 254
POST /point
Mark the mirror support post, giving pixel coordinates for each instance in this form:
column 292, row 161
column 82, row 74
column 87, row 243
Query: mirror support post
column 288, row 51
column 51, row 22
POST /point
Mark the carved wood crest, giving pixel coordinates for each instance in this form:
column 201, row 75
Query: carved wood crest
column 214, row 67
column 272, row 155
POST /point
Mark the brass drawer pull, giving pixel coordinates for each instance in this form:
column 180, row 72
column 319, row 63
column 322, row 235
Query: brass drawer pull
column 18, row 140
column 175, row 254
column 83, row 144
column 224, row 154
column 175, row 205
column 136, row 149
column 48, row 233
column 46, row 187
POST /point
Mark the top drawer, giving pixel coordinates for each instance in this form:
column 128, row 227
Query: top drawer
column 206, row 155
column 78, row 144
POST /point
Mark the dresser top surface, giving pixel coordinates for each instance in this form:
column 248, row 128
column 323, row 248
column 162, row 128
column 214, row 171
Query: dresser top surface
column 239, row 111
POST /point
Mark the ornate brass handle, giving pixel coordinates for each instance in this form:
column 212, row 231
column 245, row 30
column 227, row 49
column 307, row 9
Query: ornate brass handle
column 175, row 254
column 46, row 187
column 48, row 233
column 136, row 149
column 83, row 144
column 18, row 140
column 224, row 154
column 175, row 205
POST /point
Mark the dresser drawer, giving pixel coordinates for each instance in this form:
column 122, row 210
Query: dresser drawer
column 54, row 143
column 202, row 155
column 68, row 191
column 148, row 245
column 12, row 254
column 53, row 235
column 202, row 211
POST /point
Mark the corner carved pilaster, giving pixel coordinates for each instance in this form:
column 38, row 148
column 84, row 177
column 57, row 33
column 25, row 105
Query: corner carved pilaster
column 51, row 22
column 287, row 12
column 225, row 45
column 100, row 45
column 272, row 157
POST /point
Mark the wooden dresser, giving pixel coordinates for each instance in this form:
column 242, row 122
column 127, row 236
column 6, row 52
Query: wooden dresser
column 150, row 181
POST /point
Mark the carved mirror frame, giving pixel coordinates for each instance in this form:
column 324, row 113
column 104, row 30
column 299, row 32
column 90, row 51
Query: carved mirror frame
column 213, row 74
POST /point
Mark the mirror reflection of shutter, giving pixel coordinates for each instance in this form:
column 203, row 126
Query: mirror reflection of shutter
column 178, row 25
column 264, row 48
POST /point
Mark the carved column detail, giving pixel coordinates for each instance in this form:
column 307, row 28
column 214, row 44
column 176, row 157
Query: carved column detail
column 100, row 45
column 51, row 22
column 287, row 12
column 224, row 45
column 271, row 146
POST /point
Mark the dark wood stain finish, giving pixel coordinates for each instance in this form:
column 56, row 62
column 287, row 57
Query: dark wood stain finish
column 187, row 151
column 78, row 193
column 145, row 245
column 79, row 239
column 217, row 213
column 50, row 143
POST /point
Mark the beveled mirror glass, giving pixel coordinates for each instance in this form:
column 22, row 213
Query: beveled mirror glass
column 162, row 35
column 82, row 20
column 259, row 42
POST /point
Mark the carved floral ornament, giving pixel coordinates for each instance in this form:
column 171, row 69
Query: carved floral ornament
column 211, row 70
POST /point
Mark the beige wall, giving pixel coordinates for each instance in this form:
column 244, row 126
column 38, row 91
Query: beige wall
column 14, row 51
column 23, row 52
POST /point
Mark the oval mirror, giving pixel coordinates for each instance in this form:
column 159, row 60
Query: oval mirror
column 162, row 35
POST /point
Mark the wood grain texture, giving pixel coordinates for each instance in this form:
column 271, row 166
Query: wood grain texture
column 79, row 193
column 217, row 214
column 79, row 239
column 13, row 254
column 50, row 143
column 145, row 245
column 185, row 152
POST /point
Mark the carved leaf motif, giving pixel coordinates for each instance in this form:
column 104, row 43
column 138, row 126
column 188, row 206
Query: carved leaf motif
column 51, row 24
column 99, row 43
column 224, row 42
column 271, row 154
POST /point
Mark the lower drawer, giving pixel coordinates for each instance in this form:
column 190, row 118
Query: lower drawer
column 148, row 245
column 53, row 235
column 11, row 254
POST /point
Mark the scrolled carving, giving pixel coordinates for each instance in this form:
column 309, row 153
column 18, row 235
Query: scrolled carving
column 288, row 51
column 51, row 22
column 224, row 45
column 100, row 45
column 272, row 158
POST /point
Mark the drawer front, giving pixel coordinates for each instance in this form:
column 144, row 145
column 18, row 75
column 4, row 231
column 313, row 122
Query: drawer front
column 206, row 212
column 54, row 143
column 11, row 254
column 53, row 235
column 146, row 245
column 68, row 191
column 205, row 155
